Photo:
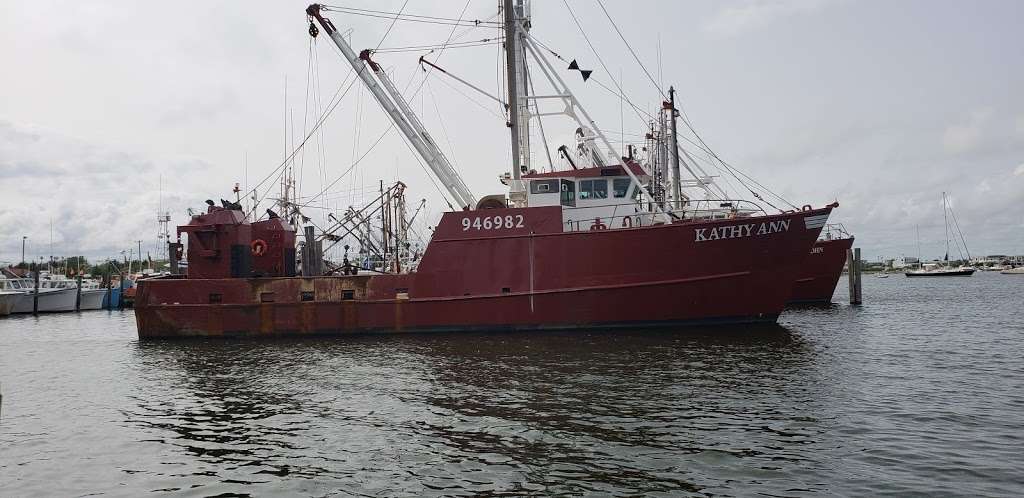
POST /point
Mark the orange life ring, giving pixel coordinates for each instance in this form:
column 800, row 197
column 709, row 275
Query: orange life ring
column 258, row 247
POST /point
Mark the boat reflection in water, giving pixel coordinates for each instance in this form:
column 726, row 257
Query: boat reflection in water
column 470, row 411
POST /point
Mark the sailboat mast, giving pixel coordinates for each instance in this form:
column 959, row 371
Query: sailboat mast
column 946, row 222
column 917, row 228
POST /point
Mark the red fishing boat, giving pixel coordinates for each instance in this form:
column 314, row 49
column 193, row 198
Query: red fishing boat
column 604, row 244
column 824, row 265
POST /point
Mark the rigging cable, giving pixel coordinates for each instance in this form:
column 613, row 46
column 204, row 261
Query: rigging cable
column 637, row 59
column 957, row 225
column 392, row 125
column 324, row 116
column 409, row 17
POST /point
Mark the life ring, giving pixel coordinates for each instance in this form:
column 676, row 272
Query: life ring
column 807, row 207
column 627, row 222
column 258, row 247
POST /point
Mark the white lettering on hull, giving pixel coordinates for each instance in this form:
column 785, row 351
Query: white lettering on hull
column 737, row 231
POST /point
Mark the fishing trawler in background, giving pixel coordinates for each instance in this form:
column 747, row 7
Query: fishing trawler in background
column 944, row 270
column 821, row 271
column 612, row 242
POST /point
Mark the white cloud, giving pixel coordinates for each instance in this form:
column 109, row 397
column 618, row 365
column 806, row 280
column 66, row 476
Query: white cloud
column 98, row 199
column 963, row 137
column 731, row 21
column 1020, row 170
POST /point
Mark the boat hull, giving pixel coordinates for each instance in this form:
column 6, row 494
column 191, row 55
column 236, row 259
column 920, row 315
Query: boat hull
column 535, row 279
column 821, row 272
column 49, row 301
column 8, row 302
column 92, row 299
column 943, row 273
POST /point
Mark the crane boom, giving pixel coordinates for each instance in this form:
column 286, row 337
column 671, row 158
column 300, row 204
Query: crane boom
column 398, row 110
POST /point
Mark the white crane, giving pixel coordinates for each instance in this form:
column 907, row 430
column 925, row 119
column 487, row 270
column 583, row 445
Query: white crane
column 391, row 100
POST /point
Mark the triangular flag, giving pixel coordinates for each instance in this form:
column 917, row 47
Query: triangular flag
column 585, row 73
column 573, row 65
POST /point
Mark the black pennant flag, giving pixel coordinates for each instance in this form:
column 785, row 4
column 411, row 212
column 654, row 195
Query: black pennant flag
column 573, row 66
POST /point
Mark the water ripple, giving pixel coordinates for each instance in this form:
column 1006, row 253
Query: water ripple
column 920, row 392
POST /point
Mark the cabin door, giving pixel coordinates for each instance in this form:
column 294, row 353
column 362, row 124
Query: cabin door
column 568, row 193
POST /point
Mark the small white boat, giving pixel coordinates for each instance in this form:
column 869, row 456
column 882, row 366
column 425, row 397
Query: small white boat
column 92, row 295
column 8, row 300
column 51, row 297
column 1013, row 271
column 883, row 275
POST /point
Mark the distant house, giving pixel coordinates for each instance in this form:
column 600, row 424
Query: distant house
column 904, row 262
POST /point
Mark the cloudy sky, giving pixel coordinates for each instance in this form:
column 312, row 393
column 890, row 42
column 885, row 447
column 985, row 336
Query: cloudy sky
column 881, row 105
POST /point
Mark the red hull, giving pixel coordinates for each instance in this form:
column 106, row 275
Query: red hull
column 528, row 276
column 821, row 271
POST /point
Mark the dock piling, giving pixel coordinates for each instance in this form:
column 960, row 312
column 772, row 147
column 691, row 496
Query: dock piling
column 853, row 263
column 35, row 295
column 78, row 292
column 120, row 295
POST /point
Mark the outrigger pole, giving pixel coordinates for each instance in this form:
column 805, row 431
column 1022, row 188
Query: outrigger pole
column 398, row 109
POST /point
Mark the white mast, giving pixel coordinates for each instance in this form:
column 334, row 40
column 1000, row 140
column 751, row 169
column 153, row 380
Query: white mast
column 403, row 118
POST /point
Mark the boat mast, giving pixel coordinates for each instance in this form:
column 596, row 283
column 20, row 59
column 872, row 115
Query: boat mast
column 677, row 189
column 920, row 262
column 517, row 23
column 513, row 93
column 946, row 221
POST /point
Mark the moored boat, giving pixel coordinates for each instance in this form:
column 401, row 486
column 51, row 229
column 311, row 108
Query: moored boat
column 530, row 275
column 8, row 300
column 823, row 267
column 610, row 243
column 934, row 270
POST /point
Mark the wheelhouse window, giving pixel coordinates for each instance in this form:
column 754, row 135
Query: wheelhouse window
column 594, row 189
column 568, row 190
column 620, row 186
column 543, row 186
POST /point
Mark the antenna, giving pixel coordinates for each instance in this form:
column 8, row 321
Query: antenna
column 163, row 219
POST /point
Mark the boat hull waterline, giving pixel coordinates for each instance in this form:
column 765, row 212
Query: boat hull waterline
column 527, row 277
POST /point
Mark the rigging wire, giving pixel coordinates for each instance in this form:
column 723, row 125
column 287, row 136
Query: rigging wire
column 430, row 177
column 276, row 171
column 957, row 225
column 410, row 17
column 417, row 48
column 631, row 51
column 731, row 169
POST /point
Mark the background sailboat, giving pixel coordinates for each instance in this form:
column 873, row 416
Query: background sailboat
column 944, row 270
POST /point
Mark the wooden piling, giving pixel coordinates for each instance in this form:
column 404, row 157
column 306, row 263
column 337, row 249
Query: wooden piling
column 853, row 263
column 35, row 295
column 78, row 292
column 109, row 304
column 120, row 295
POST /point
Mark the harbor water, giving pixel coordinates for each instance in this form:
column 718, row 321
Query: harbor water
column 918, row 392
